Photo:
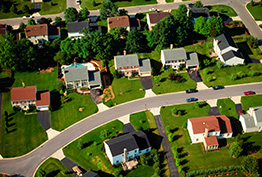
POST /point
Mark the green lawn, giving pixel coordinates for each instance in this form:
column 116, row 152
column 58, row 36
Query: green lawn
column 169, row 0
column 124, row 3
column 18, row 4
column 53, row 167
column 227, row 107
column 255, row 10
column 251, row 101
column 248, row 51
column 141, row 171
column 164, row 85
column 69, row 112
column 223, row 75
column 139, row 121
column 223, row 9
column 92, row 156
column 57, row 7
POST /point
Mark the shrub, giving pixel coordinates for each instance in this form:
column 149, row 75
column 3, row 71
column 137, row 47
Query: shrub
column 174, row 111
column 233, row 77
column 172, row 76
column 170, row 137
column 184, row 125
column 220, row 64
column 205, row 71
column 178, row 161
column 50, row 3
column 80, row 144
column 143, row 159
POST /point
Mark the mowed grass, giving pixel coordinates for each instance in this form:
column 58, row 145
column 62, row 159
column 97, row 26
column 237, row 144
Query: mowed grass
column 92, row 156
column 57, row 7
column 227, row 107
column 53, row 167
column 223, row 75
column 18, row 4
column 141, row 171
column 125, row 3
column 69, row 113
column 255, row 10
column 224, row 9
column 164, row 85
column 251, row 101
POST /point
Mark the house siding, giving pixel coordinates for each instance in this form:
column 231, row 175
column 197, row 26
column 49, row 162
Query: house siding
column 75, row 35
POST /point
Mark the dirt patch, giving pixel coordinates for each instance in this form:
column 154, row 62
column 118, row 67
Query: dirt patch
column 48, row 70
column 108, row 94
column 81, row 109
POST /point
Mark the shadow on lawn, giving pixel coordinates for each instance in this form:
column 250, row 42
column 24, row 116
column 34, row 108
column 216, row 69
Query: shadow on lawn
column 154, row 139
column 55, row 100
column 249, row 147
column 5, row 83
column 236, row 126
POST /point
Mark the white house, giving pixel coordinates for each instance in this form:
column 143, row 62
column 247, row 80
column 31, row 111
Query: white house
column 176, row 58
column 252, row 121
column 209, row 129
column 227, row 50
column 154, row 18
column 127, row 147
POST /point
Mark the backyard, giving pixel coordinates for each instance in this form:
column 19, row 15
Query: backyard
column 18, row 4
column 255, row 10
column 251, row 101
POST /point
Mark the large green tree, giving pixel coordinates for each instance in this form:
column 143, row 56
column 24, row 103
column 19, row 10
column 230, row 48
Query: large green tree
column 198, row 4
column 71, row 14
column 108, row 9
column 25, row 9
column 235, row 149
column 200, row 23
column 13, row 9
column 30, row 21
column 67, row 46
column 135, row 41
column 7, row 53
column 83, row 14
column 62, row 58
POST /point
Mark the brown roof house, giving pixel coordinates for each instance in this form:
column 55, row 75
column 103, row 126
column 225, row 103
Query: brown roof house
column 154, row 18
column 39, row 34
column 209, row 129
column 26, row 97
column 123, row 21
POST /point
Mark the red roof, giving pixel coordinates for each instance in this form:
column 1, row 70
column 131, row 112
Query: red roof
column 36, row 30
column 211, row 141
column 121, row 21
column 23, row 93
column 43, row 99
column 157, row 16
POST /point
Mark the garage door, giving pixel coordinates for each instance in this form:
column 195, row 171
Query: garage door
column 45, row 108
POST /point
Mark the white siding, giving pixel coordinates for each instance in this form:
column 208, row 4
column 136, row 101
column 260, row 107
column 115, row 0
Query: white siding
column 234, row 61
column 75, row 35
column 108, row 153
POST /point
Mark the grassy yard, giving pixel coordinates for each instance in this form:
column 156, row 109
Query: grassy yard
column 251, row 101
column 255, row 10
column 227, row 107
column 53, row 167
column 164, row 85
column 18, row 4
column 69, row 113
column 223, row 9
column 169, row 0
column 223, row 76
column 124, row 3
column 57, row 7
column 92, row 156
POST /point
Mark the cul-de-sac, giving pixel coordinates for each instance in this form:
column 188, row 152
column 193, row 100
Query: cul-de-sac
column 130, row 88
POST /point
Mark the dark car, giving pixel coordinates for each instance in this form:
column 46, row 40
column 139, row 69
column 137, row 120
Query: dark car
column 191, row 91
column 249, row 93
column 240, row 112
column 217, row 87
column 191, row 99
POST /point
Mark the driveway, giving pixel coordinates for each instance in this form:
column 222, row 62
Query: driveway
column 214, row 111
column 238, row 107
column 43, row 118
column 147, row 82
column 194, row 75
column 69, row 164
column 96, row 95
column 128, row 128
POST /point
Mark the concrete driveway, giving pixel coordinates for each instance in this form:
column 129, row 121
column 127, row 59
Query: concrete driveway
column 96, row 96
column 43, row 118
column 147, row 82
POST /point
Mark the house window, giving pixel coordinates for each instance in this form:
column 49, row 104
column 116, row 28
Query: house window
column 127, row 67
column 176, row 61
column 197, row 139
column 134, row 66
column 120, row 68
column 44, row 35
column 179, row 60
column 131, row 67
column 228, row 134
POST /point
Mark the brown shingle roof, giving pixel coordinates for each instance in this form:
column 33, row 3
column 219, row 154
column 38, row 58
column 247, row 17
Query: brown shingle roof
column 157, row 16
column 3, row 31
column 23, row 93
column 199, row 124
column 43, row 99
column 121, row 21
column 211, row 141
column 36, row 30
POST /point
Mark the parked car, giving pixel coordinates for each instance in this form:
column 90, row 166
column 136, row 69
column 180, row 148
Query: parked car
column 77, row 171
column 240, row 112
column 38, row 20
column 249, row 93
column 217, row 87
column 191, row 91
column 191, row 99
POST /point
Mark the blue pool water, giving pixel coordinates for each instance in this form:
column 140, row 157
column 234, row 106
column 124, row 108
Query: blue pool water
column 77, row 65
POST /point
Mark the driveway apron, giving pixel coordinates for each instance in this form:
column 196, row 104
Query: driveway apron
column 43, row 118
column 147, row 82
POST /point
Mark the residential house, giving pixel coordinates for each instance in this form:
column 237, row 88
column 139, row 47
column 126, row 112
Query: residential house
column 123, row 21
column 154, row 18
column 127, row 147
column 227, row 50
column 177, row 58
column 252, row 121
column 81, row 75
column 195, row 13
column 130, row 64
column 209, row 129
column 39, row 34
column 75, row 28
column 26, row 97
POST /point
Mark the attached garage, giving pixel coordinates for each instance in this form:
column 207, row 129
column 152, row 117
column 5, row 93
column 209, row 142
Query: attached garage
column 144, row 67
column 192, row 60
column 42, row 104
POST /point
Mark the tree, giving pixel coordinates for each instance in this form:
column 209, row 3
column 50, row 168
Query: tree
column 200, row 24
column 67, row 46
column 41, row 173
column 235, row 149
column 172, row 76
column 13, row 9
column 30, row 21
column 123, row 12
column 197, row 104
column 71, row 14
column 2, row 6
column 58, row 20
column 86, row 31
column 93, row 3
column 135, row 41
column 252, row 41
column 220, row 64
column 108, row 9
column 213, row 31
column 250, row 164
column 7, row 53
column 83, row 14
column 104, row 134
column 43, row 21
column 174, row 111
column 25, row 9
column 80, row 144
column 198, row 4
column 143, row 159
column 22, row 27
column 62, row 58
column 59, row 85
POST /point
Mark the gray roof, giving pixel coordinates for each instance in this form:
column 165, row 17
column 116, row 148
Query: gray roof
column 174, row 54
column 76, row 74
column 249, row 121
column 197, row 12
column 258, row 113
column 126, row 60
column 94, row 78
column 224, row 41
column 192, row 59
column 90, row 174
column 76, row 26
column 144, row 65
column 230, row 54
column 129, row 141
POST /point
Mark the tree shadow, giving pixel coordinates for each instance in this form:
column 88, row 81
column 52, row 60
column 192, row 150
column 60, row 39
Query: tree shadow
column 249, row 147
column 183, row 155
column 10, row 131
column 176, row 137
column 53, row 173
column 104, row 174
column 222, row 142
column 183, row 112
column 55, row 100
column 244, row 48
column 8, row 125
column 185, row 161
column 88, row 144
column 234, row 31
column 236, row 126
column 5, row 83
column 185, row 169
column 157, row 65
column 163, row 80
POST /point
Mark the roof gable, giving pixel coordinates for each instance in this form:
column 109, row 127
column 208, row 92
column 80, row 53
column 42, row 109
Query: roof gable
column 76, row 26
column 258, row 113
column 224, row 41
column 144, row 65
column 36, row 30
column 76, row 73
column 211, row 141
column 126, row 60
column 174, row 54
column 23, row 93
column 121, row 21
column 43, row 98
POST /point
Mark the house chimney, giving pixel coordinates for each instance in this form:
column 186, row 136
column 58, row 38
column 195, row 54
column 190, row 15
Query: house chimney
column 125, row 155
column 23, row 84
column 206, row 133
column 171, row 46
column 75, row 62
column 124, row 52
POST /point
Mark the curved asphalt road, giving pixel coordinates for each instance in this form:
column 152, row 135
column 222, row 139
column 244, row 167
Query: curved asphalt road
column 27, row 164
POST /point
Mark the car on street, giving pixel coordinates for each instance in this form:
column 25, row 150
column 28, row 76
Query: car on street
column 217, row 87
column 191, row 99
column 249, row 93
column 191, row 90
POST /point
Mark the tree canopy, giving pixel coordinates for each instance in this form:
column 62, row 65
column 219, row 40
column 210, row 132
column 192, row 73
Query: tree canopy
column 135, row 41
column 108, row 9
column 71, row 14
column 250, row 164
column 31, row 21
column 198, row 4
column 83, row 14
